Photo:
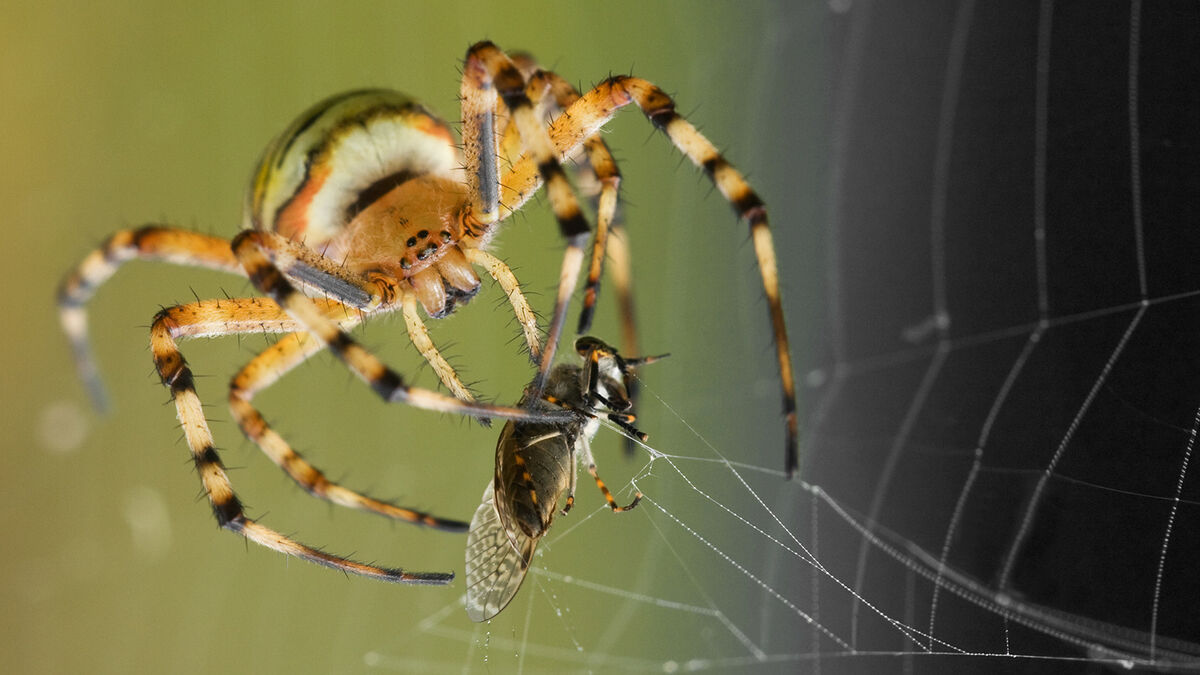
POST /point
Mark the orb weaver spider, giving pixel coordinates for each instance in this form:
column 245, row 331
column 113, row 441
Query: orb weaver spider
column 356, row 210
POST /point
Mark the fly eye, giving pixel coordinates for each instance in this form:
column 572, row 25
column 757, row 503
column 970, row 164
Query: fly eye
column 586, row 345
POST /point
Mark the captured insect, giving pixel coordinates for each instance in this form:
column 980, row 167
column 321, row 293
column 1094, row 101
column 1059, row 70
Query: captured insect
column 536, row 467
column 365, row 205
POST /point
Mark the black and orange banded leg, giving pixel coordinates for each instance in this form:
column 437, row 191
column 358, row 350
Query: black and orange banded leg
column 224, row 317
column 480, row 152
column 610, row 239
column 549, row 91
column 488, row 69
column 600, row 163
column 261, row 372
column 660, row 110
column 591, row 112
column 621, row 273
column 511, row 147
column 608, row 497
column 612, row 502
column 608, row 177
column 149, row 242
column 250, row 248
column 573, row 462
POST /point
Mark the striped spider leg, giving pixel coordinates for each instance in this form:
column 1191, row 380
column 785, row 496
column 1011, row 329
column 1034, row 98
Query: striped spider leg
column 547, row 92
column 226, row 317
column 535, row 471
column 607, row 178
column 264, row 370
column 586, row 116
column 492, row 82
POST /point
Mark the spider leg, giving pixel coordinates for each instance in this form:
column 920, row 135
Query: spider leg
column 372, row 292
column 149, row 242
column 489, row 71
column 512, row 288
column 418, row 334
column 587, row 115
column 250, row 247
column 622, row 278
column 622, row 275
column 604, row 169
column 602, row 166
column 261, row 372
column 222, row 318
column 480, row 133
column 479, row 136
column 572, row 462
column 610, row 239
column 511, row 147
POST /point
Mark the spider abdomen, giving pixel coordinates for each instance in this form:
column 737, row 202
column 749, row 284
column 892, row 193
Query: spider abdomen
column 339, row 156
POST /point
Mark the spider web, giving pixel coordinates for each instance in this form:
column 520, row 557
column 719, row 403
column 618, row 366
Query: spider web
column 1002, row 390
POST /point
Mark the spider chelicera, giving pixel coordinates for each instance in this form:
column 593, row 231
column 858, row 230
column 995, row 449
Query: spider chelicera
column 365, row 205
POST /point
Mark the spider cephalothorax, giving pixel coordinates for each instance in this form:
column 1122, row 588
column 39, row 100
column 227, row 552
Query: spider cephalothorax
column 363, row 206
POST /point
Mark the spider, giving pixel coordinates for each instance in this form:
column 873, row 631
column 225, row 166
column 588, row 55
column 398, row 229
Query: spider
column 536, row 467
column 363, row 206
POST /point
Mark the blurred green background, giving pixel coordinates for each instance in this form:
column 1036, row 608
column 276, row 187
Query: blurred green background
column 120, row 113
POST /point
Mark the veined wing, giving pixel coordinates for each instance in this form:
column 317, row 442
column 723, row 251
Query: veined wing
column 497, row 560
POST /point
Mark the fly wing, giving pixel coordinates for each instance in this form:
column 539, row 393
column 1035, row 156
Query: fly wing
column 497, row 560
